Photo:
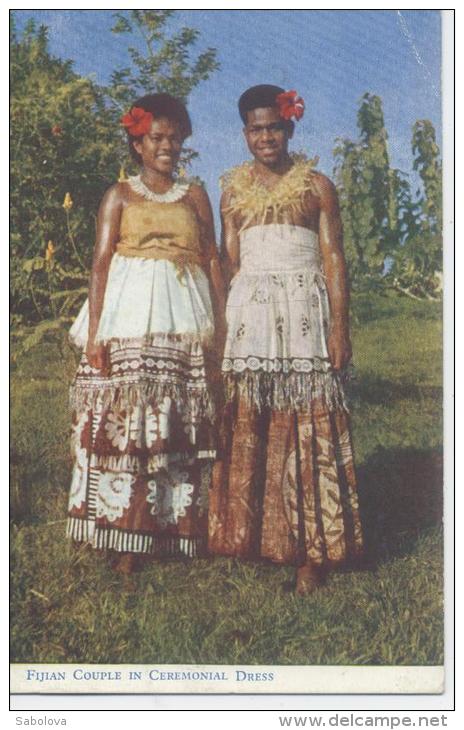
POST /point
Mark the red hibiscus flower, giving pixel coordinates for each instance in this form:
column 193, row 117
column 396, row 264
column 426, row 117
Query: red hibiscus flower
column 290, row 105
column 137, row 122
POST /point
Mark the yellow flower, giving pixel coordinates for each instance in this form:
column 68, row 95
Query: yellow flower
column 122, row 174
column 49, row 251
column 182, row 172
column 68, row 202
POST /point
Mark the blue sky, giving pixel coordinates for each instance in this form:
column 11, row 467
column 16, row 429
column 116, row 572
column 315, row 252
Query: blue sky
column 330, row 57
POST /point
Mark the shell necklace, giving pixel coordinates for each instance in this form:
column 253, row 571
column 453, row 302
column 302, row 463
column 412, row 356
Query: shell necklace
column 176, row 192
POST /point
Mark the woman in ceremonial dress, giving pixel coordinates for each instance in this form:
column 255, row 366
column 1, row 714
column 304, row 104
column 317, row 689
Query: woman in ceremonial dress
column 142, row 400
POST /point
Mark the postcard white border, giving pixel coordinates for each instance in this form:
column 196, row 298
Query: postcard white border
column 358, row 701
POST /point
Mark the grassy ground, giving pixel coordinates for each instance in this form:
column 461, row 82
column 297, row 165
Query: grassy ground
column 68, row 606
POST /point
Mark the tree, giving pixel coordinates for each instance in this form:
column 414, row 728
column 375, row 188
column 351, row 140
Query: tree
column 428, row 164
column 167, row 66
column 61, row 142
column 417, row 268
column 368, row 190
column 66, row 139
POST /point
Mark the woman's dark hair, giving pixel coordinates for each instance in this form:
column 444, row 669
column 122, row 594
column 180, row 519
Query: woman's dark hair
column 161, row 105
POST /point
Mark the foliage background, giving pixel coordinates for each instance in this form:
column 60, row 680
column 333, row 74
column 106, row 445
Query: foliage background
column 65, row 137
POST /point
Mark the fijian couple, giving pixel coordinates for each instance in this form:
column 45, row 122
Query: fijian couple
column 209, row 416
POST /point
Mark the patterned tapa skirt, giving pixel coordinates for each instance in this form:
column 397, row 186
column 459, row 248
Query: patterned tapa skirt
column 284, row 486
column 142, row 447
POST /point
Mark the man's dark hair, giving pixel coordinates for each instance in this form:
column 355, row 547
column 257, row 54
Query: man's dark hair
column 260, row 97
column 162, row 105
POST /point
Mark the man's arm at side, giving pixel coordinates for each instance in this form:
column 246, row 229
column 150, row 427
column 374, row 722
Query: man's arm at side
column 230, row 245
column 333, row 259
column 213, row 269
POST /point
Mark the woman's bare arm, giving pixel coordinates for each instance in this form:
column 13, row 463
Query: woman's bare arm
column 230, row 244
column 333, row 259
column 108, row 222
column 213, row 269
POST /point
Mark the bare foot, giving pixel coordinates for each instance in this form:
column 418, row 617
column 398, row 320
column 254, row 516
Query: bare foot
column 129, row 583
column 126, row 564
column 308, row 579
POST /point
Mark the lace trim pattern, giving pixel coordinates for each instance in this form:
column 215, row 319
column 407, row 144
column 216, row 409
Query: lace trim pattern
column 204, row 337
column 275, row 365
column 175, row 193
column 145, row 376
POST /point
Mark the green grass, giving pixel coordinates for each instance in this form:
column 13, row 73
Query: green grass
column 67, row 605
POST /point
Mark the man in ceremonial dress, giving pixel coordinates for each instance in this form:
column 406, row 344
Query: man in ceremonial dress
column 284, row 487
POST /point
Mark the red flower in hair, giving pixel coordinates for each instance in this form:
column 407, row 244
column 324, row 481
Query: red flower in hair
column 137, row 121
column 290, row 105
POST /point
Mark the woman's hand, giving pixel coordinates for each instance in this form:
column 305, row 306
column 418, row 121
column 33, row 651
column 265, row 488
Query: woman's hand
column 97, row 355
column 339, row 347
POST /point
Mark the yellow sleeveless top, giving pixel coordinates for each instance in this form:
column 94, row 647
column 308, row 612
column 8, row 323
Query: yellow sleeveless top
column 168, row 231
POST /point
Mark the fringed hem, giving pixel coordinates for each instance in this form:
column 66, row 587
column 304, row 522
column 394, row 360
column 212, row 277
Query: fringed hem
column 204, row 338
column 119, row 397
column 148, row 464
column 295, row 391
column 124, row 541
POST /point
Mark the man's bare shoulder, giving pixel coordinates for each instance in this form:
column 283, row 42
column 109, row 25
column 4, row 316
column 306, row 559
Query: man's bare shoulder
column 226, row 199
column 325, row 191
column 323, row 185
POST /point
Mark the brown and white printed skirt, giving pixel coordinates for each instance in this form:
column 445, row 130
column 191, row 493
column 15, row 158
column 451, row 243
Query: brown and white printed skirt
column 142, row 446
column 284, row 487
